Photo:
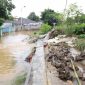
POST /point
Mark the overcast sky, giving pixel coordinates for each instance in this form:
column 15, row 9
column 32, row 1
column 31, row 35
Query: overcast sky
column 38, row 6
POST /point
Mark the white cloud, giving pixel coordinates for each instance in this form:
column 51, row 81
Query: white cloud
column 39, row 5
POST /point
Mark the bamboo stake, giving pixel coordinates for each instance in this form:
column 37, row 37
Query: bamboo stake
column 76, row 75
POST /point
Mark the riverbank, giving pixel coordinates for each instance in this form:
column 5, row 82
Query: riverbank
column 61, row 57
column 60, row 52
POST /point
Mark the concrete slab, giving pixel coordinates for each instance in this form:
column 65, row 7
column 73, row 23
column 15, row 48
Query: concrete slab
column 38, row 65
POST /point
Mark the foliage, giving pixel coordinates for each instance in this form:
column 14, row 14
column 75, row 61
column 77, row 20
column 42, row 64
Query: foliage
column 45, row 28
column 33, row 16
column 20, row 80
column 73, row 29
column 61, row 29
column 6, row 7
column 79, row 29
column 80, row 19
column 74, row 21
column 73, row 11
column 69, row 21
column 82, row 36
column 10, row 17
column 1, row 21
column 66, row 29
column 69, row 30
column 80, row 44
column 50, row 17
column 73, row 14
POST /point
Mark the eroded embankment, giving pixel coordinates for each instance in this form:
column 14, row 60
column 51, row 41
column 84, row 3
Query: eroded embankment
column 61, row 52
column 64, row 64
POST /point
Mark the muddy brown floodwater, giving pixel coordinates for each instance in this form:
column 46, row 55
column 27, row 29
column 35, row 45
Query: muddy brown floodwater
column 14, row 48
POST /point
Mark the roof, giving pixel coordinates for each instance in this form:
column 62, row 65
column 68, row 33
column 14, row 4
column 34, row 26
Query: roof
column 24, row 21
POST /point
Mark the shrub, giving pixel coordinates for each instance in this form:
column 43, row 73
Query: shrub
column 69, row 30
column 66, row 29
column 60, row 29
column 75, row 29
column 81, row 36
column 45, row 28
column 80, row 44
column 20, row 79
column 79, row 29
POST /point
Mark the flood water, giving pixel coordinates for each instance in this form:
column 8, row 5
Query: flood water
column 13, row 50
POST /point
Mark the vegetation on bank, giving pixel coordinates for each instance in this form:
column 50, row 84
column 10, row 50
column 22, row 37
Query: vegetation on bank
column 20, row 79
column 80, row 44
column 45, row 28
column 70, row 23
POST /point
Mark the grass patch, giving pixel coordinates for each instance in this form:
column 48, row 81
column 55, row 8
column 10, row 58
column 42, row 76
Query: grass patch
column 80, row 44
column 45, row 28
column 67, row 30
column 20, row 80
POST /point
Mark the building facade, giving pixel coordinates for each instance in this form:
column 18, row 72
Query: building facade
column 26, row 24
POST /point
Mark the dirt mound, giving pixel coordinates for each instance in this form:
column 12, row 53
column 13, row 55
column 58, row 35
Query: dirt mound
column 59, row 55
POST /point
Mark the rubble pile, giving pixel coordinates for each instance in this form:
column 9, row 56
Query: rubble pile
column 60, row 57
column 53, row 33
column 80, row 57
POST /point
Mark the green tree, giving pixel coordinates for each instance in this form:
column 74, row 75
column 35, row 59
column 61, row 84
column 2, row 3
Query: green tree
column 1, row 21
column 11, row 17
column 73, row 11
column 72, row 14
column 50, row 17
column 33, row 16
column 80, row 19
column 6, row 7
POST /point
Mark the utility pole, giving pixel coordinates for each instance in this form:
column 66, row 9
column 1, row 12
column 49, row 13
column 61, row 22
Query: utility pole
column 21, row 17
column 66, row 5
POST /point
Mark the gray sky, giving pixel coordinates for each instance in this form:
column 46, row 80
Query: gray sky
column 38, row 6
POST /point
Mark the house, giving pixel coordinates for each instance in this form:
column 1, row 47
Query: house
column 26, row 24
column 19, row 24
column 7, row 27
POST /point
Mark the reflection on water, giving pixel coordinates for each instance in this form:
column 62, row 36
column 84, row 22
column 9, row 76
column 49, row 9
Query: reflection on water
column 13, row 51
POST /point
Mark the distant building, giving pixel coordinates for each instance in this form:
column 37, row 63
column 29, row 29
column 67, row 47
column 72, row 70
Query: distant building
column 18, row 24
column 26, row 24
column 7, row 27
